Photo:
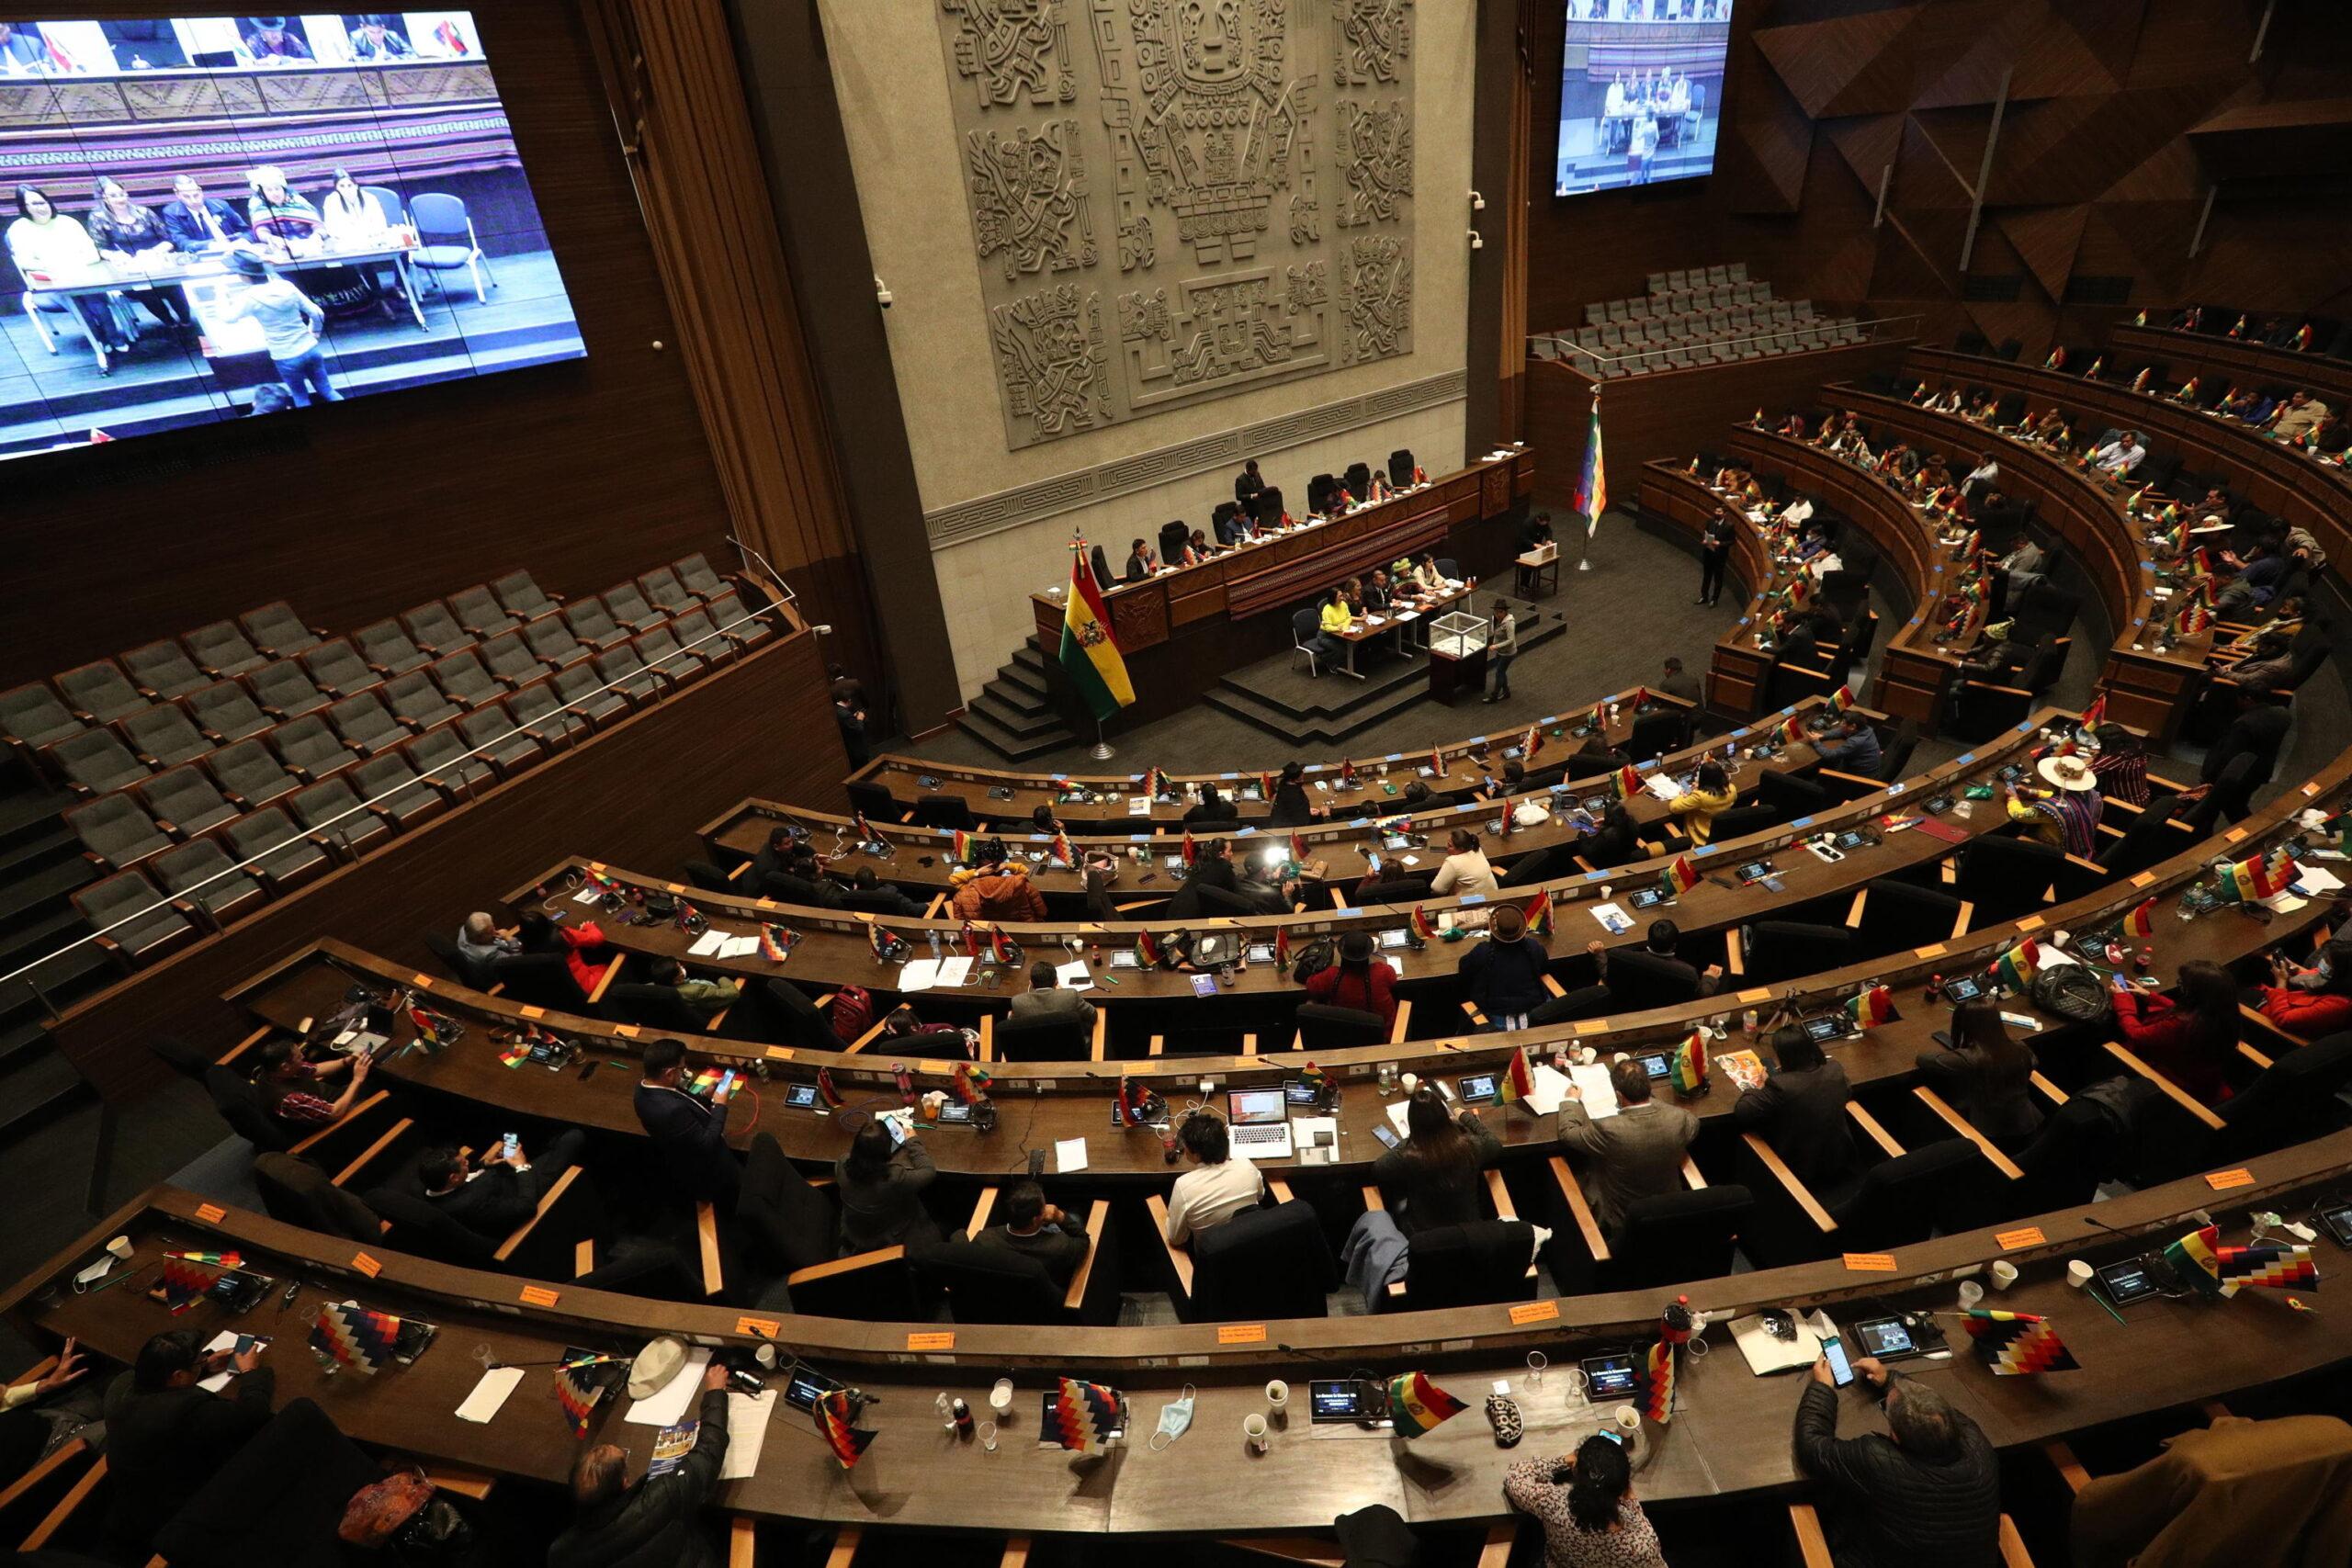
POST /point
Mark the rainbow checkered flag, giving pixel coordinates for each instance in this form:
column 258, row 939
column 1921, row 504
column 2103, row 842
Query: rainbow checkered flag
column 215, row 1259
column 578, row 1391
column 1688, row 1071
column 2268, row 1266
column 1538, row 913
column 1680, row 876
column 1870, row 1007
column 1060, row 849
column 1156, row 783
column 1437, row 762
column 1531, row 743
column 2196, row 1257
column 838, row 1428
column 1418, row 1406
column 2140, row 382
column 349, row 1335
column 773, row 945
column 1517, row 1081
column 970, row 1082
column 2251, row 880
column 878, row 939
column 1084, row 1415
column 2016, row 968
column 181, row 1284
column 2193, row 618
column 1657, row 1393
column 2141, row 920
column 2018, row 1344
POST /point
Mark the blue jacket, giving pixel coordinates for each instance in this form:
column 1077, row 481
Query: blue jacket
column 187, row 230
column 1506, row 977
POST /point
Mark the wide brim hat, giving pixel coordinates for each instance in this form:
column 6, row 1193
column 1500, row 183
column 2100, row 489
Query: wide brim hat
column 2066, row 772
column 655, row 1366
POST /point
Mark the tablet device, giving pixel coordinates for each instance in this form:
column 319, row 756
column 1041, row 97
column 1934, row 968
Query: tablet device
column 1756, row 871
column 1204, row 985
column 1598, row 805
column 807, row 1384
column 1655, row 1063
column 954, row 1114
column 1259, row 952
column 1611, row 1377
column 1342, row 1401
column 2128, row 1281
column 1648, row 897
column 1936, row 804
column 800, row 1095
column 2337, row 1223
column 1888, row 1338
column 1962, row 988
column 1393, row 938
column 1479, row 1089
column 1854, row 838
column 1125, row 957
column 1298, row 1091
column 1395, row 842
column 1821, row 1030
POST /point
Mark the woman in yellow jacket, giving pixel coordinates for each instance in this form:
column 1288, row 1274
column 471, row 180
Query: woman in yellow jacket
column 1711, row 791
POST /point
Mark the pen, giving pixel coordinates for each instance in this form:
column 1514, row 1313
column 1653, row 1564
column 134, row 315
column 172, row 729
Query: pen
column 2103, row 1302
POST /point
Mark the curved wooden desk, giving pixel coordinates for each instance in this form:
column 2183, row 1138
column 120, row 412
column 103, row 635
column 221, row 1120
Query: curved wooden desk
column 2207, row 354
column 2145, row 690
column 1730, row 1433
column 2278, row 477
column 1043, row 1100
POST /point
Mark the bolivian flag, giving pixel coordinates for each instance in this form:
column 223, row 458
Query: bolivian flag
column 1681, row 875
column 1421, row 926
column 2016, row 967
column 1517, row 1080
column 1793, row 730
column 1870, row 1007
column 1688, row 1074
column 1538, row 913
column 2251, row 881
column 1626, row 782
column 1417, row 1405
column 2195, row 1258
column 1147, row 953
column 1090, row 655
column 2141, row 920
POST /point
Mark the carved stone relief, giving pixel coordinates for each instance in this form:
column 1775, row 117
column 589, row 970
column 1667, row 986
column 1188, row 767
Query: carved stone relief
column 1193, row 139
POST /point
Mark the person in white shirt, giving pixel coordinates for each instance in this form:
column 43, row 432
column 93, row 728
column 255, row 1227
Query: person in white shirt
column 46, row 241
column 1824, row 563
column 1465, row 869
column 1217, row 1188
column 2120, row 456
column 1612, row 110
column 1983, row 476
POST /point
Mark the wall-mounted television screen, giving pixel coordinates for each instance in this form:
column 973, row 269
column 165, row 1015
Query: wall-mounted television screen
column 208, row 218
column 1641, row 91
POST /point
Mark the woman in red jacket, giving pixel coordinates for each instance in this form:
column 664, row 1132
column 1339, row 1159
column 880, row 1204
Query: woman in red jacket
column 1358, row 980
column 540, row 934
column 2187, row 1041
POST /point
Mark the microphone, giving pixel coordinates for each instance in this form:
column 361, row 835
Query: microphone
column 2102, row 1225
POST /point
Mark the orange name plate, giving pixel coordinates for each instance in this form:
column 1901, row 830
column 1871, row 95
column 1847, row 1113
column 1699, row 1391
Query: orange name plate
column 766, row 1327
column 781, row 1052
column 1870, row 1262
column 2235, row 834
column 939, row 1341
column 1933, row 950
column 626, row 1031
column 2144, row 878
column 2024, row 1236
column 535, row 1012
column 2223, row 1180
column 210, row 1213
column 2031, row 923
column 1761, row 994
column 422, row 982
column 538, row 1296
column 1241, row 1333
column 366, row 1265
column 1535, row 1311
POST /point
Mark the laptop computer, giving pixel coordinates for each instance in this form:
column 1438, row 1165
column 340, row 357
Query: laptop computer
column 1258, row 1122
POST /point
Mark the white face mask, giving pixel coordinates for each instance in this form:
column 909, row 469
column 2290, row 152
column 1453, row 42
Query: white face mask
column 1175, row 1417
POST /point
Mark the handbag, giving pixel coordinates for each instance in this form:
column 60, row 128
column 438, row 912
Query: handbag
column 2070, row 991
column 379, row 1510
column 1312, row 960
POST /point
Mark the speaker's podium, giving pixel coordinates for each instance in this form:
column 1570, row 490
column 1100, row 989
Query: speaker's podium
column 1458, row 654
column 1539, row 570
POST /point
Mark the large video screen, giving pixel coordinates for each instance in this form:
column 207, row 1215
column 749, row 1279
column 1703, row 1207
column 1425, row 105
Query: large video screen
column 208, row 218
column 1641, row 91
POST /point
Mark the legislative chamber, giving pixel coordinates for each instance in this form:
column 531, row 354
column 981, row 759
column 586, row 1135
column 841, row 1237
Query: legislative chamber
column 1376, row 784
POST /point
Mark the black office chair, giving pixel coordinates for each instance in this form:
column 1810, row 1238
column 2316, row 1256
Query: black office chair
column 446, row 951
column 421, row 1228
column 1261, row 1264
column 298, row 1194
column 1446, row 567
column 1682, row 1235
column 1322, row 1027
column 1537, row 865
column 995, row 1284
column 1895, row 757
column 1791, row 795
column 539, row 979
column 1901, row 1200
column 945, row 811
column 2081, row 1144
column 2007, row 877
column 1772, row 950
column 2292, row 1100
column 707, row 876
column 276, row 1499
column 233, row 1096
column 1657, row 732
column 1740, row 821
column 2149, row 839
column 1359, row 480
column 872, row 799
column 1042, row 1040
column 1897, row 915
column 652, row 1007
column 1468, row 1265
column 783, row 1012
column 1639, row 980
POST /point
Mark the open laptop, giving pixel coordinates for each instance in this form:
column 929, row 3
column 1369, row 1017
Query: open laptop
column 1258, row 1122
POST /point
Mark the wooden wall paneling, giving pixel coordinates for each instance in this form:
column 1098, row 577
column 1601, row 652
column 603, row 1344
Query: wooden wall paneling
column 587, row 471
column 796, row 115
column 636, row 793
column 1497, row 272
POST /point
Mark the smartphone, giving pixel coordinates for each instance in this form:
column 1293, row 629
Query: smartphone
column 1372, row 861
column 1841, row 1372
column 1388, row 1140
column 513, row 1145
column 726, row 1085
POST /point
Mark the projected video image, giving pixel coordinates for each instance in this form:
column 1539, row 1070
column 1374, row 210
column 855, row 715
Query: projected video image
column 209, row 217
column 1641, row 89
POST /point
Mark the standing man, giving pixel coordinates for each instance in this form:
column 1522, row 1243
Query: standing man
column 1714, row 552
column 1502, row 648
column 289, row 326
column 1246, row 486
column 1926, row 1497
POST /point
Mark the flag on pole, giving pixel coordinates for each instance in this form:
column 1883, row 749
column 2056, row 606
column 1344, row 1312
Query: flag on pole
column 1627, row 781
column 1147, row 951
column 1084, row 1415
column 1793, row 730
column 1870, row 1007
column 2016, row 967
column 1688, row 1074
column 1417, row 1406
column 2141, row 920
column 1657, row 1383
column 834, row 1425
column 1517, row 1080
column 2195, row 1258
column 2096, row 715
column 1089, row 652
column 1593, row 485
column 2018, row 1344
column 1681, row 875
column 1421, row 926
column 1841, row 699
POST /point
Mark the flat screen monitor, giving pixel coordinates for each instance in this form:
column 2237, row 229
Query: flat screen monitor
column 1641, row 92
column 237, row 215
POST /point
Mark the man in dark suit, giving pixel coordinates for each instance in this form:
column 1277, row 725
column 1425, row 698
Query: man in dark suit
column 872, row 896
column 1246, row 484
column 1801, row 1112
column 1637, row 1153
column 689, row 1136
column 1677, row 682
column 166, row 1437
column 497, row 1196
column 1036, row 1228
column 197, row 221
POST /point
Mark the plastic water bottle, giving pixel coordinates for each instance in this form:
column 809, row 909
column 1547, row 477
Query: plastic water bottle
column 935, row 947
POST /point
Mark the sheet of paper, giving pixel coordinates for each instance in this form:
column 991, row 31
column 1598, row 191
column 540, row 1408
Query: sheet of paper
column 1305, row 1131
column 954, row 971
column 1600, row 1100
column 224, row 1340
column 2316, row 880
column 1069, row 1155
column 665, row 1404
column 740, row 947
column 1665, row 788
column 707, row 944
column 490, row 1394
column 920, row 975
column 1765, row 1354
column 1073, row 976
column 1551, row 1088
column 747, row 1433
column 588, row 895
column 1139, row 806
column 1613, row 918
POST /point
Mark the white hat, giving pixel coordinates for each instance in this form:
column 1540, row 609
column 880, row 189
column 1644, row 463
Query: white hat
column 655, row 1366
column 2066, row 772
